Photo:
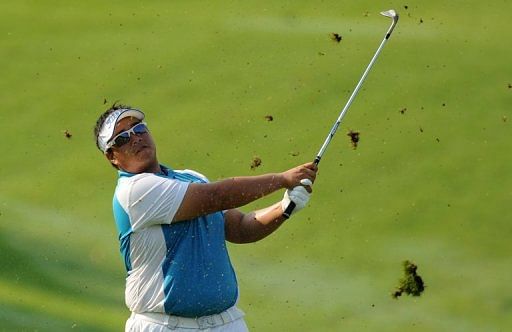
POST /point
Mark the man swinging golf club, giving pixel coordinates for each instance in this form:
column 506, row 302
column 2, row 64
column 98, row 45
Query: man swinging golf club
column 173, row 225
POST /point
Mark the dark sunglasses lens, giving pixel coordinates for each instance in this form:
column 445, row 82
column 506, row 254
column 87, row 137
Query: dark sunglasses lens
column 140, row 129
column 121, row 140
column 124, row 137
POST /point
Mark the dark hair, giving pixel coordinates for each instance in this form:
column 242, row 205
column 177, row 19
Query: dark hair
column 99, row 123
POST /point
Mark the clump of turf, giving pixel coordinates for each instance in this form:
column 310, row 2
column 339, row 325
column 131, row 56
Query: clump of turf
column 411, row 283
column 354, row 138
column 256, row 162
column 336, row 37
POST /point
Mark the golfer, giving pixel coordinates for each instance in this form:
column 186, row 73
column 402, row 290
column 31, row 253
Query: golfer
column 173, row 225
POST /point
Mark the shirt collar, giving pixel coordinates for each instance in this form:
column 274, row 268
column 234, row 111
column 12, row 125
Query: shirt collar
column 165, row 171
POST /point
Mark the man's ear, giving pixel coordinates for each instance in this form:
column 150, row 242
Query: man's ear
column 112, row 158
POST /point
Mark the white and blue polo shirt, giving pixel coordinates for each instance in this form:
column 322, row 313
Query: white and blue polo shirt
column 179, row 268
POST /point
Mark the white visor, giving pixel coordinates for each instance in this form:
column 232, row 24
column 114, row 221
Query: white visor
column 109, row 125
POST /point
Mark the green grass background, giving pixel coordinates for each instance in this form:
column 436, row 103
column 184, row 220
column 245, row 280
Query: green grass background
column 431, row 185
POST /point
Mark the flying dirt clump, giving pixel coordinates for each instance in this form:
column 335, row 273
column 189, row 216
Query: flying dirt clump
column 269, row 118
column 354, row 138
column 336, row 37
column 256, row 162
column 67, row 134
column 411, row 283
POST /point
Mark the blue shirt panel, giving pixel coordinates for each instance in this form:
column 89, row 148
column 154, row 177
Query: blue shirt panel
column 199, row 279
column 124, row 229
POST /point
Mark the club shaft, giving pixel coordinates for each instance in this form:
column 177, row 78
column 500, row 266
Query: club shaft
column 352, row 97
column 334, row 128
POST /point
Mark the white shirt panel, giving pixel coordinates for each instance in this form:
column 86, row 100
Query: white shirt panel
column 144, row 285
column 150, row 199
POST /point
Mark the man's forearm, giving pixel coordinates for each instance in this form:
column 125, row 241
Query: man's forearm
column 201, row 198
column 257, row 225
column 239, row 191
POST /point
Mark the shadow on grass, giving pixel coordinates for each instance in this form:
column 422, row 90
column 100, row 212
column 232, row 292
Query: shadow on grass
column 36, row 286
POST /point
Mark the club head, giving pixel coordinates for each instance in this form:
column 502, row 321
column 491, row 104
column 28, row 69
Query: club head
column 390, row 13
column 393, row 15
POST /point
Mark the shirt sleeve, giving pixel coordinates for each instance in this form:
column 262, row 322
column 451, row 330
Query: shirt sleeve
column 150, row 199
column 196, row 174
column 200, row 176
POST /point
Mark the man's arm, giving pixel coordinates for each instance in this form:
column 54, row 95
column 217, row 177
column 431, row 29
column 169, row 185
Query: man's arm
column 205, row 198
column 256, row 225
column 253, row 226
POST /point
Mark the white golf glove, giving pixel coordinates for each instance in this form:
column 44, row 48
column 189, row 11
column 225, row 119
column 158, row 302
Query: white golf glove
column 299, row 195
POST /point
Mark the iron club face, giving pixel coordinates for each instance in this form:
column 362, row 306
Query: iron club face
column 390, row 13
column 393, row 15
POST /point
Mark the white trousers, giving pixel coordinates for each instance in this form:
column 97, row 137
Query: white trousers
column 230, row 320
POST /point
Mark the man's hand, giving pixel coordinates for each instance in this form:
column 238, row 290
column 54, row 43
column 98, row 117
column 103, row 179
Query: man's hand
column 298, row 195
column 293, row 177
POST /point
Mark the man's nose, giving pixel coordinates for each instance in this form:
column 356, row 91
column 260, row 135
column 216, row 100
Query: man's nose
column 136, row 138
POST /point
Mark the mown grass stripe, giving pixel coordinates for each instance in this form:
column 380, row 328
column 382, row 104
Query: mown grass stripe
column 75, row 310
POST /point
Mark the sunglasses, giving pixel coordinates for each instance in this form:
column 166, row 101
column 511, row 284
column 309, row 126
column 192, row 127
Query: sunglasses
column 124, row 137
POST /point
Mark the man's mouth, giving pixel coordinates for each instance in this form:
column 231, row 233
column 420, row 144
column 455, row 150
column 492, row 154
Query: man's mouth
column 136, row 149
column 140, row 148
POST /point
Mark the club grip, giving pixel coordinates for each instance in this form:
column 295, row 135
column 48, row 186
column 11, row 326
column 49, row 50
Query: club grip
column 289, row 209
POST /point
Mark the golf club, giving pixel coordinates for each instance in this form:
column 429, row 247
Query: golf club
column 394, row 16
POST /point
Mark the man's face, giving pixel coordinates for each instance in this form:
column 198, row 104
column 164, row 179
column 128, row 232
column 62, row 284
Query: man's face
column 136, row 156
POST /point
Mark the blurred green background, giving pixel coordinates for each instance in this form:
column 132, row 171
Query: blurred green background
column 429, row 180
